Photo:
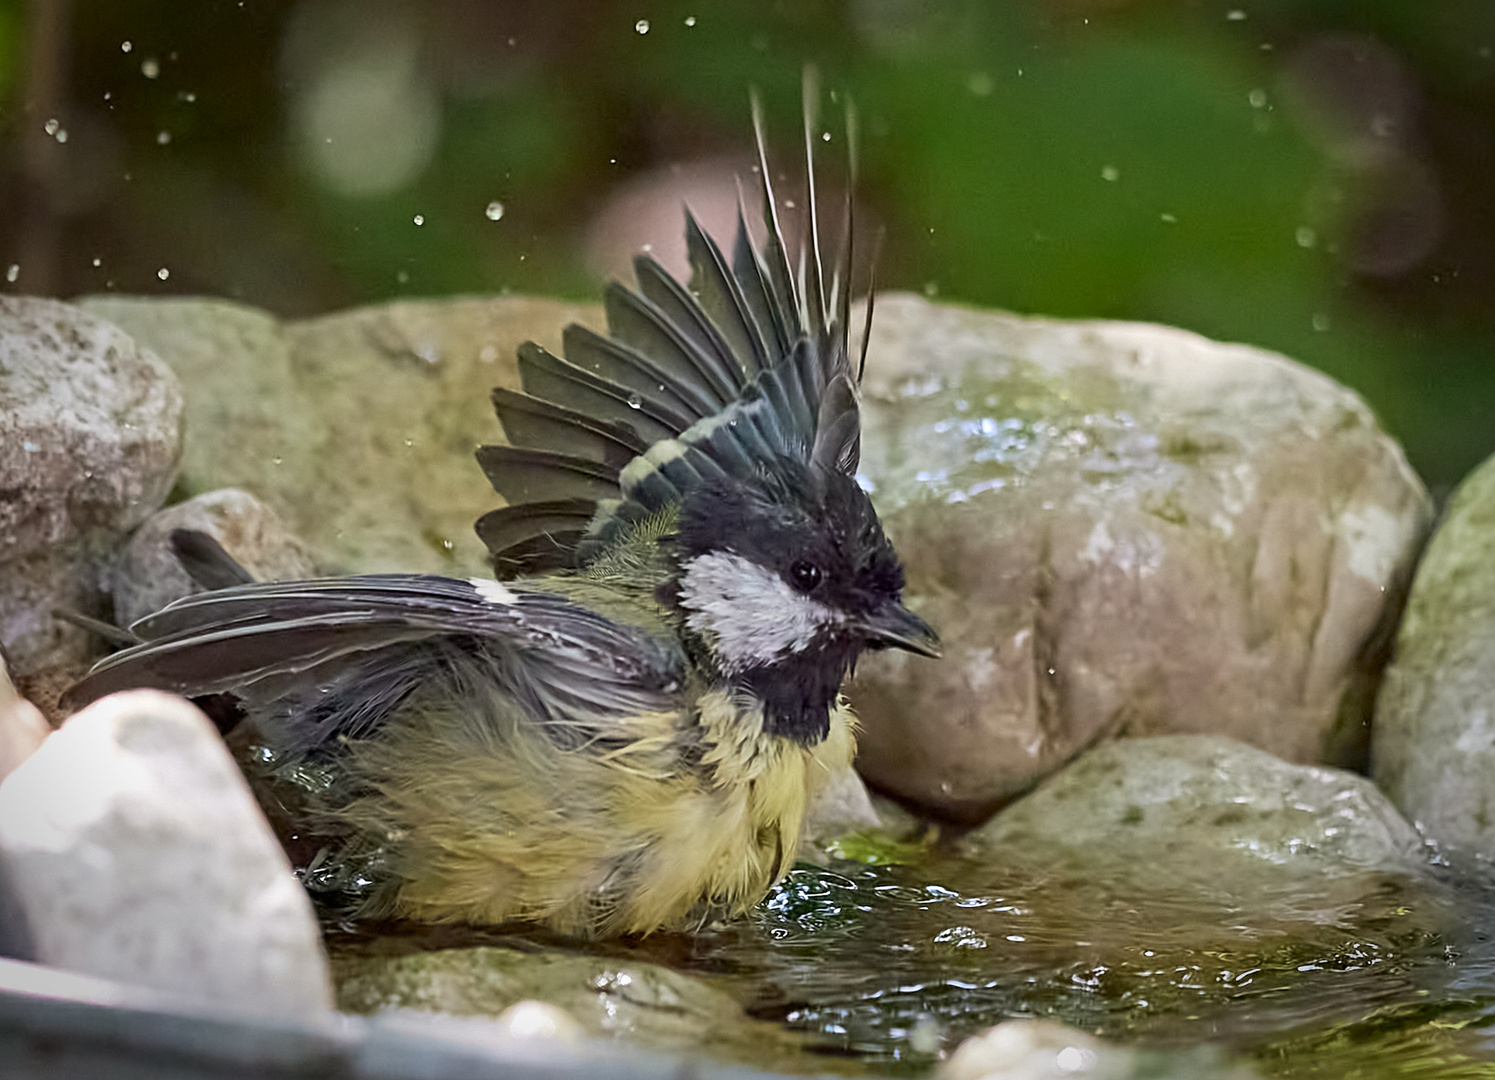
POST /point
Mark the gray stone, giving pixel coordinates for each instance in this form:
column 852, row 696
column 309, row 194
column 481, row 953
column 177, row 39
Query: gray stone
column 148, row 575
column 1120, row 530
column 643, row 1003
column 357, row 428
column 90, row 437
column 137, row 853
column 1434, row 749
column 1204, row 810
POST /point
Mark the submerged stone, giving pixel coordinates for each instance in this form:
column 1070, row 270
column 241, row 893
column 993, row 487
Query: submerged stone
column 643, row 1003
column 1120, row 530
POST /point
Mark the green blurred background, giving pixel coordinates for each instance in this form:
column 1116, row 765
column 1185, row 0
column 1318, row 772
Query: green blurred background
column 1313, row 176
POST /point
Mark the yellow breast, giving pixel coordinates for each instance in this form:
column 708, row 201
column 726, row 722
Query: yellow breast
column 673, row 825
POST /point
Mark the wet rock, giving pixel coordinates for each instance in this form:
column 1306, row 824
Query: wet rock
column 1120, row 530
column 90, row 437
column 640, row 1002
column 1434, row 750
column 357, row 428
column 148, row 575
column 137, row 853
column 1205, row 811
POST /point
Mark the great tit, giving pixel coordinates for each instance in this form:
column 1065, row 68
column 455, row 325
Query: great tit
column 620, row 731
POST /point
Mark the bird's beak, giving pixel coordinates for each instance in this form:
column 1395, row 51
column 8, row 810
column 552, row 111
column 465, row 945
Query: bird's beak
column 894, row 626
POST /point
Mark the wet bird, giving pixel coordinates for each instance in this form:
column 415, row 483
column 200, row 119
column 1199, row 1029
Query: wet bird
column 619, row 732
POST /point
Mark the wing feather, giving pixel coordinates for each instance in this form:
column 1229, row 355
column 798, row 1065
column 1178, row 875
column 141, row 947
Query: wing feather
column 303, row 642
column 693, row 384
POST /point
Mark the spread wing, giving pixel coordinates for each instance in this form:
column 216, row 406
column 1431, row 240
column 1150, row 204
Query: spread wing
column 748, row 363
column 339, row 653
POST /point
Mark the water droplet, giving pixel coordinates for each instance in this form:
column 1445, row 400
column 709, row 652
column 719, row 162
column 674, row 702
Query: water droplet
column 276, row 461
column 642, row 26
column 13, row 273
column 187, row 96
column 488, row 354
column 150, row 68
column 1237, row 15
column 494, row 211
column 788, row 204
column 163, row 137
column 30, row 447
column 62, row 135
column 1321, row 322
column 690, row 20
column 125, row 46
column 163, row 273
column 98, row 262
column 420, row 219
column 825, row 136
column 1110, row 173
column 1258, row 98
column 981, row 84
column 402, row 277
column 52, row 127
column 1305, row 236
column 635, row 401
column 1171, row 219
column 931, row 288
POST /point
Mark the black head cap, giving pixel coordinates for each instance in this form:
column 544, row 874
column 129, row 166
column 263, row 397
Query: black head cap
column 784, row 580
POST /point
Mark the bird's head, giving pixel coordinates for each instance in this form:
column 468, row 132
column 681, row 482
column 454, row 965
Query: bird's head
column 783, row 580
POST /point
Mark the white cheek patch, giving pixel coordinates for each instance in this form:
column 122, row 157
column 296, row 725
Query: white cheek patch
column 749, row 614
column 492, row 591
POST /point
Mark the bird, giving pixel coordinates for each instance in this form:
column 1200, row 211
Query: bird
column 618, row 732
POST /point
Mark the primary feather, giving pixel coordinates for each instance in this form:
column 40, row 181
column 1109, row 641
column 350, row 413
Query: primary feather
column 622, row 732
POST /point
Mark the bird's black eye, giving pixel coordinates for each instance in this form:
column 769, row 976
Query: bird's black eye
column 805, row 575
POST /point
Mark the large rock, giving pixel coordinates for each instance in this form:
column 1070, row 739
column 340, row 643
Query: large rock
column 136, row 852
column 1434, row 750
column 357, row 428
column 148, row 575
column 1119, row 530
column 90, row 437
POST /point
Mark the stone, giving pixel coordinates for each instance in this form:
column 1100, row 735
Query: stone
column 136, row 852
column 357, row 428
column 1034, row 1050
column 22, row 726
column 643, row 1003
column 1046, row 1050
column 1187, row 810
column 1120, row 530
column 148, row 575
column 841, row 805
column 90, row 438
column 1434, row 741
